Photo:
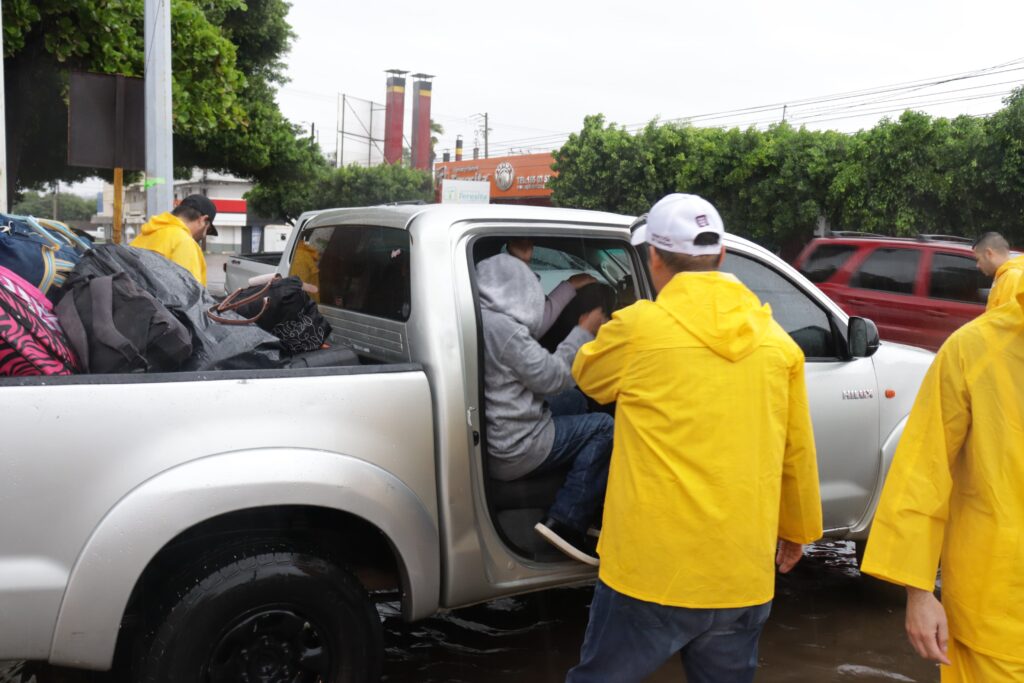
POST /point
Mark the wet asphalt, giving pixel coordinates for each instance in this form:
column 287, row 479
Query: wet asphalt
column 828, row 624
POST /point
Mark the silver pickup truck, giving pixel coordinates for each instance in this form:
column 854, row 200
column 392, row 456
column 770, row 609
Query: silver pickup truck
column 226, row 526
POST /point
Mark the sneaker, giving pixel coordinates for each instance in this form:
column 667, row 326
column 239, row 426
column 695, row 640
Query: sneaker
column 575, row 544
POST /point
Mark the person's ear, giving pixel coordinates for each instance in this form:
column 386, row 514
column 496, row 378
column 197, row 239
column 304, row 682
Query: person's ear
column 721, row 258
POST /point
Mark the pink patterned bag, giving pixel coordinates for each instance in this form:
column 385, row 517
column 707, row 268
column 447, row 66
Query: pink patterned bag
column 31, row 340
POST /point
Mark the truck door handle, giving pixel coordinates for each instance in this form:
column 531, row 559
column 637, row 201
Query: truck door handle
column 856, row 302
column 937, row 314
column 235, row 262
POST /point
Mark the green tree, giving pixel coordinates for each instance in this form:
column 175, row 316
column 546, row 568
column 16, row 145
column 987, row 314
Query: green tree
column 349, row 186
column 70, row 207
column 226, row 63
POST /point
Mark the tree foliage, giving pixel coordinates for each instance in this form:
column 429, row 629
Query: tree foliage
column 226, row 62
column 70, row 207
column 915, row 174
column 349, row 186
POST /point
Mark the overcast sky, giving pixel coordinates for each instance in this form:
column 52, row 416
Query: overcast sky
column 537, row 68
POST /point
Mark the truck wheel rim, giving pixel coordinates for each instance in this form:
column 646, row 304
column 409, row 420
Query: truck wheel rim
column 276, row 645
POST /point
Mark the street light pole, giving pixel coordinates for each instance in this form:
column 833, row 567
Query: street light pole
column 159, row 131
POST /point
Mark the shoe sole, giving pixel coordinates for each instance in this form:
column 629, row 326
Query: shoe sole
column 567, row 548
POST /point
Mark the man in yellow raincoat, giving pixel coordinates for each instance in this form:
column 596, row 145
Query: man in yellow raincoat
column 177, row 234
column 713, row 475
column 992, row 252
column 956, row 491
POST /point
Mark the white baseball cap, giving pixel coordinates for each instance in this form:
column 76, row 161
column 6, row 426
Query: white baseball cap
column 675, row 222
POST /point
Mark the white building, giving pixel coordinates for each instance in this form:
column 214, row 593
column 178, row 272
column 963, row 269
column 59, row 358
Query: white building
column 227, row 193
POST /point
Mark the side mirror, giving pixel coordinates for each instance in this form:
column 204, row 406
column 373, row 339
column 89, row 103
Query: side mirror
column 862, row 338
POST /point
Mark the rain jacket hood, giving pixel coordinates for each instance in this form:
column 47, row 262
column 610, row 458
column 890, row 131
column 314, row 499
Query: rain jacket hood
column 1009, row 277
column 508, row 286
column 719, row 310
column 166, row 234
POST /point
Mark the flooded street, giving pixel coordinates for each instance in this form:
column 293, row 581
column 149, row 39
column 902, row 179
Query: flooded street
column 828, row 624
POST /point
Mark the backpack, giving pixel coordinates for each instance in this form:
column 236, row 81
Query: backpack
column 214, row 346
column 118, row 327
column 282, row 308
column 31, row 340
column 42, row 252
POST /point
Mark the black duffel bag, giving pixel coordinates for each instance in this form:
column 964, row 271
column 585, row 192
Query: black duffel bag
column 214, row 346
column 282, row 308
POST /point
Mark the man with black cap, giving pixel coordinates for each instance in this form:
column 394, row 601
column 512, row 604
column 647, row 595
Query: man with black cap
column 177, row 234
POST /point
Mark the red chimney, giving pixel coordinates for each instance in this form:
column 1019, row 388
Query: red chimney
column 421, row 90
column 394, row 116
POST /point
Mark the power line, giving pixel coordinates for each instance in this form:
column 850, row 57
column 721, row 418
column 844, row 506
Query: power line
column 892, row 92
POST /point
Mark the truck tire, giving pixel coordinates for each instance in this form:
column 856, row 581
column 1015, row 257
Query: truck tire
column 266, row 616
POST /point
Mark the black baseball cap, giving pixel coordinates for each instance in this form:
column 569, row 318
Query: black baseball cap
column 203, row 205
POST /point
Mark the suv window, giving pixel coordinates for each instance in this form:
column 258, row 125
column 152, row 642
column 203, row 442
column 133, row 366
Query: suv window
column 357, row 268
column 825, row 260
column 957, row 278
column 798, row 314
column 888, row 270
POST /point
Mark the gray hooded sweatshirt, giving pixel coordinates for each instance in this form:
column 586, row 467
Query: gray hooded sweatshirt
column 518, row 371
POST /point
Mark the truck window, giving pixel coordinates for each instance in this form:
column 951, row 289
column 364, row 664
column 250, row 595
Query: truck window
column 805, row 321
column 357, row 268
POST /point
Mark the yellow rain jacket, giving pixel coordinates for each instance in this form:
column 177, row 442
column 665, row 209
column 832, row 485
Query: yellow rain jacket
column 1007, row 281
column 714, row 454
column 956, row 487
column 306, row 264
column 168, row 235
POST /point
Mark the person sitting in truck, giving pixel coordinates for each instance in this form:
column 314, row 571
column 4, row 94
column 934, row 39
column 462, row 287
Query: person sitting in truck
column 536, row 420
column 177, row 234
column 560, row 296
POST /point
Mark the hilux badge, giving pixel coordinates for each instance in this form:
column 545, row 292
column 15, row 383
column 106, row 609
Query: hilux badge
column 856, row 394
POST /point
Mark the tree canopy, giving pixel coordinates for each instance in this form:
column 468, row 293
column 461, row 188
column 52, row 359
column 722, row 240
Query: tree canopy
column 70, row 207
column 348, row 186
column 916, row 174
column 227, row 61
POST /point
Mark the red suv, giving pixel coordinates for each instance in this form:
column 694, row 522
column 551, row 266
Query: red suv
column 916, row 290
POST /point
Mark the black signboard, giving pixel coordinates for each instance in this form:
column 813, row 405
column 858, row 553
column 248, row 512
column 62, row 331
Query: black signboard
column 106, row 122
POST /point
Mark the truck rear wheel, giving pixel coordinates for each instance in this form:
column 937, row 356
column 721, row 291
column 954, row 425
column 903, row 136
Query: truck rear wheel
column 266, row 617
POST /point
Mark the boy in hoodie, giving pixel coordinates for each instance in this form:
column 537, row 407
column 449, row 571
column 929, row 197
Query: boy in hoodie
column 177, row 234
column 713, row 474
column 992, row 252
column 527, row 434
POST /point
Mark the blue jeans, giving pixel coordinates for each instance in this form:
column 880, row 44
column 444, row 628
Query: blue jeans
column 628, row 639
column 583, row 441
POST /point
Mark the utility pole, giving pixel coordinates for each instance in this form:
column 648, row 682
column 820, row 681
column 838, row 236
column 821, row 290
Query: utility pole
column 56, row 205
column 487, row 131
column 784, row 112
column 159, row 131
column 3, row 129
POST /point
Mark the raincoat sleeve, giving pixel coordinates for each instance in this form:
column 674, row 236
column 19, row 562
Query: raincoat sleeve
column 599, row 365
column 800, row 503
column 907, row 533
